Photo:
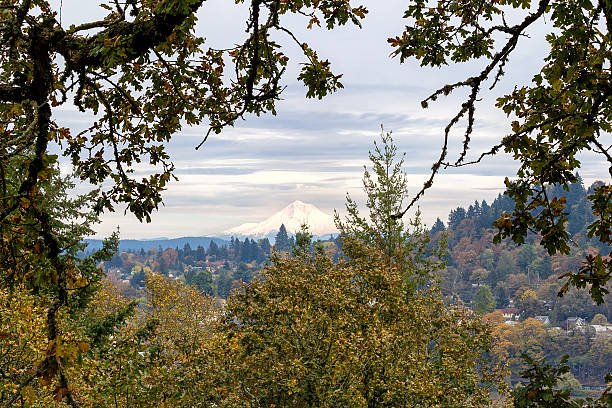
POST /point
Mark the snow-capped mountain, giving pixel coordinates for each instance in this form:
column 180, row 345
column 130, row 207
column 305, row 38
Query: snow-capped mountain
column 293, row 216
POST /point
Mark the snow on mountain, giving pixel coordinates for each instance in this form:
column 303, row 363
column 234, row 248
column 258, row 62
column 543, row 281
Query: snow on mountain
column 293, row 216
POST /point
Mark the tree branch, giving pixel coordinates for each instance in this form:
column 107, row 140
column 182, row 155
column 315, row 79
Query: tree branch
column 499, row 59
column 139, row 37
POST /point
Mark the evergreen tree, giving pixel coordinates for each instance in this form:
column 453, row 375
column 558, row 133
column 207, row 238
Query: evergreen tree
column 265, row 246
column 245, row 251
column 137, row 280
column 223, row 252
column 235, row 248
column 386, row 186
column 473, row 210
column 213, row 249
column 282, row 241
column 500, row 204
column 576, row 192
column 455, row 217
column 501, row 297
column 200, row 253
column 485, row 221
column 483, row 300
column 437, row 227
column 115, row 261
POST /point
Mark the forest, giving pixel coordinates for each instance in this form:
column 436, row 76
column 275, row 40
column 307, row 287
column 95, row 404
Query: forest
column 505, row 305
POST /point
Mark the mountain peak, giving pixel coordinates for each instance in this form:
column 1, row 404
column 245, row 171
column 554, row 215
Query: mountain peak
column 292, row 216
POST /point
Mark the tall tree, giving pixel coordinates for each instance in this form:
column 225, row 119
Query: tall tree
column 213, row 249
column 265, row 246
column 455, row 217
column 407, row 246
column 437, row 227
column 44, row 275
column 281, row 241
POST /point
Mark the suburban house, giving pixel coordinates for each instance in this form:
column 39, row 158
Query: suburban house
column 510, row 313
column 574, row 322
column 543, row 319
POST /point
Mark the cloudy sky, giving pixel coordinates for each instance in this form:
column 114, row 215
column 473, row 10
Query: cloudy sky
column 315, row 150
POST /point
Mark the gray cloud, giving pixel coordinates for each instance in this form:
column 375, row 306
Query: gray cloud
column 315, row 150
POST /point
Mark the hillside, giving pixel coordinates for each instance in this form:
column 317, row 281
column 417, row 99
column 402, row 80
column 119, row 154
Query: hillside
column 509, row 270
column 137, row 244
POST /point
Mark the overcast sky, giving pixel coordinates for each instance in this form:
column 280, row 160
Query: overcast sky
column 314, row 150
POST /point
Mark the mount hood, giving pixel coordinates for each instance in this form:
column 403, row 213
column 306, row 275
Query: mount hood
column 292, row 216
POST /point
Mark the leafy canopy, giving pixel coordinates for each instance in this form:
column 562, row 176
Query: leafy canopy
column 314, row 333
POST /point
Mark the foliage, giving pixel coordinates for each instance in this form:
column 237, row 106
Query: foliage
column 408, row 247
column 23, row 344
column 541, row 391
column 528, row 304
column 317, row 333
column 547, row 388
column 224, row 281
column 157, row 356
column 568, row 382
column 599, row 319
column 46, row 283
column 204, row 282
column 483, row 300
column 138, row 278
column 282, row 241
column 514, row 268
column 589, row 355
column 113, row 353
column 564, row 111
column 244, row 273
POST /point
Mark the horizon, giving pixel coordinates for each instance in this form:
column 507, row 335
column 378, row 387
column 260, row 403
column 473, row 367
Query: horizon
column 224, row 235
